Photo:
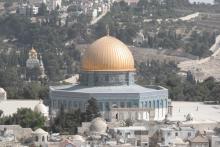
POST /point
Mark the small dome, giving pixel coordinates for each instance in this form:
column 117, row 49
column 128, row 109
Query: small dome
column 41, row 108
column 98, row 125
column 40, row 131
column 2, row 90
column 107, row 54
column 189, row 117
column 3, row 94
column 78, row 138
column 33, row 50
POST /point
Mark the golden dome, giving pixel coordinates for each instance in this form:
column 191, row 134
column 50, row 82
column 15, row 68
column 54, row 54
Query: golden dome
column 107, row 54
column 33, row 50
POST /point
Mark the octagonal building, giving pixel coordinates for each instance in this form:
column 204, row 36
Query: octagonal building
column 107, row 74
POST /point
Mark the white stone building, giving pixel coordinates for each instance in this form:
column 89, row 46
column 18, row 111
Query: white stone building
column 215, row 141
column 170, row 135
column 40, row 137
column 137, row 135
column 199, row 141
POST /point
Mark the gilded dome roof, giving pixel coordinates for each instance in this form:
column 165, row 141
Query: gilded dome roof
column 33, row 50
column 107, row 54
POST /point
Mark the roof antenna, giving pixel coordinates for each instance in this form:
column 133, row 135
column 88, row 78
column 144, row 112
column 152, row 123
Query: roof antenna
column 107, row 29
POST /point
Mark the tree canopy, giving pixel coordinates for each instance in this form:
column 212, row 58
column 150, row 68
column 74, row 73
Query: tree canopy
column 24, row 117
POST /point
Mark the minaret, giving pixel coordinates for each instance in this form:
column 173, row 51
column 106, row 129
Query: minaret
column 43, row 75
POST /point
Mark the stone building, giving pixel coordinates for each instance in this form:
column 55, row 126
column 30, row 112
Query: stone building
column 176, row 135
column 108, row 75
column 199, row 141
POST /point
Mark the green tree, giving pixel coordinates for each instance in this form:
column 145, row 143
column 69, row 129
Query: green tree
column 8, row 4
column 26, row 118
column 92, row 110
column 1, row 112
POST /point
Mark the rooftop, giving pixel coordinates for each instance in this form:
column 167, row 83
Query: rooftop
column 106, row 89
column 131, row 128
column 202, row 113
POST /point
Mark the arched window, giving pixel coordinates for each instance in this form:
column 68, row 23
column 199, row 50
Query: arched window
column 129, row 104
column 116, row 116
column 149, row 104
column 146, row 104
column 36, row 138
column 107, row 106
column 100, row 106
column 122, row 104
column 158, row 104
column 43, row 139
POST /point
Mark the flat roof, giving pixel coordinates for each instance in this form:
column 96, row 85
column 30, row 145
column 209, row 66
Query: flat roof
column 202, row 113
column 131, row 128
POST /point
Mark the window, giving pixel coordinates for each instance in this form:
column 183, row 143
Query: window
column 129, row 104
column 145, row 104
column 100, row 106
column 168, row 134
column 176, row 134
column 136, row 104
column 36, row 138
column 107, row 106
column 43, row 139
column 189, row 134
